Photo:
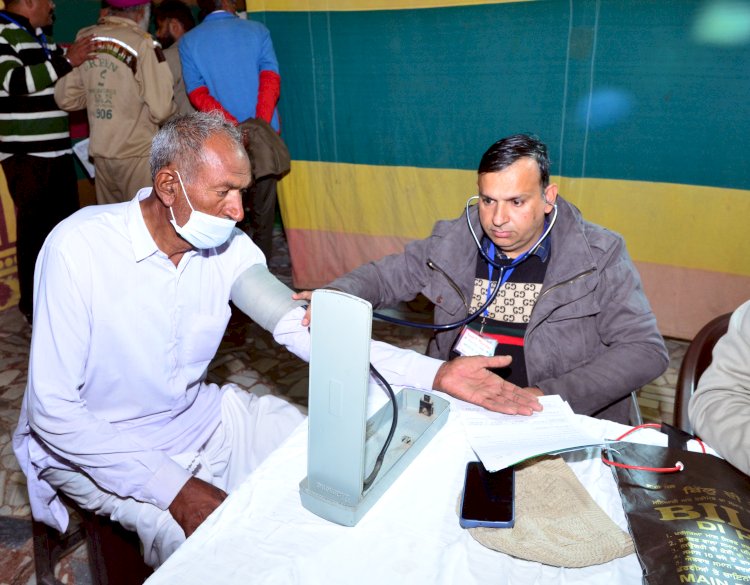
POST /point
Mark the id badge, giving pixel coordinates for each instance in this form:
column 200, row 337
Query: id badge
column 471, row 343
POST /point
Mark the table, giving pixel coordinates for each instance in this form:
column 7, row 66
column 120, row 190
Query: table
column 262, row 534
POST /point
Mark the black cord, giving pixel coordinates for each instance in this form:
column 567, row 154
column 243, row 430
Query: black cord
column 379, row 461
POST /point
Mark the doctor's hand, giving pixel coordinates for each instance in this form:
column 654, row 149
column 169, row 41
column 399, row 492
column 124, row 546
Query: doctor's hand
column 470, row 379
column 194, row 502
column 305, row 295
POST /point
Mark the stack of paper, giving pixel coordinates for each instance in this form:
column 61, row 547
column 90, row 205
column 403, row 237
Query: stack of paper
column 501, row 440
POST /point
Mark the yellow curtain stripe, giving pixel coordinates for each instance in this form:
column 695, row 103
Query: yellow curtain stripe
column 372, row 200
column 677, row 225
column 664, row 223
column 363, row 5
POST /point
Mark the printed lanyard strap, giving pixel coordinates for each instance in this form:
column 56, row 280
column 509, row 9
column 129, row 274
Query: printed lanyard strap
column 42, row 41
column 504, row 276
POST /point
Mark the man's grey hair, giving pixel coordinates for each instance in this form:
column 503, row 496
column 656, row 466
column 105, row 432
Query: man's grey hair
column 180, row 141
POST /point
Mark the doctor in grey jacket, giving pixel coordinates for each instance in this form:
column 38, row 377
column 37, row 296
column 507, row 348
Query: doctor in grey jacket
column 720, row 408
column 591, row 336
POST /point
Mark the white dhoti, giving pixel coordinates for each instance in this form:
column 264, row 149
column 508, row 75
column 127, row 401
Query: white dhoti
column 251, row 428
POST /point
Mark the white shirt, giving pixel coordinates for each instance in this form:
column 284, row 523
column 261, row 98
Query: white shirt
column 121, row 344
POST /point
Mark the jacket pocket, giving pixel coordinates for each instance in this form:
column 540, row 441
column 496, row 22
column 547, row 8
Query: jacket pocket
column 568, row 338
column 579, row 309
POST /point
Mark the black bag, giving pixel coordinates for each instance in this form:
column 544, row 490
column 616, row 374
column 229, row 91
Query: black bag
column 691, row 526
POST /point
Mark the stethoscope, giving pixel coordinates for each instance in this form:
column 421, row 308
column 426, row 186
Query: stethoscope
column 504, row 272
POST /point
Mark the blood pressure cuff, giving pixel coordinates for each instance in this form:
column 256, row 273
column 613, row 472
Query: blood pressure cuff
column 262, row 296
column 557, row 521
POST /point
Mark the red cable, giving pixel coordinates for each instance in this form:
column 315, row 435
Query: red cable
column 678, row 466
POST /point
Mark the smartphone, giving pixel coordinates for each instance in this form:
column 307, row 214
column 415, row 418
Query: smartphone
column 488, row 497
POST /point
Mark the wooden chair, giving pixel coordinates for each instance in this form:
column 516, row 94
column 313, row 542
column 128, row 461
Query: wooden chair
column 697, row 359
column 114, row 553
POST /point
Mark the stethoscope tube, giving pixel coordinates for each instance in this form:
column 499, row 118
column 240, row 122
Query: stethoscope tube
column 523, row 256
column 498, row 284
column 447, row 326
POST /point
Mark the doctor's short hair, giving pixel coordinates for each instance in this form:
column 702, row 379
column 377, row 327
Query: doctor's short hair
column 181, row 139
column 505, row 152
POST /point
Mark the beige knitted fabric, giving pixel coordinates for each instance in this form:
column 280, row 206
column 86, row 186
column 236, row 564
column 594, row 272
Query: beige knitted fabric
column 557, row 521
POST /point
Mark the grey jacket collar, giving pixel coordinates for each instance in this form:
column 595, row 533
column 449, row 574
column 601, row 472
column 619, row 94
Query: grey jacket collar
column 570, row 275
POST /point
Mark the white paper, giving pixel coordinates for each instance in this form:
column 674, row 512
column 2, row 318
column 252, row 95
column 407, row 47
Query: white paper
column 501, row 440
column 81, row 150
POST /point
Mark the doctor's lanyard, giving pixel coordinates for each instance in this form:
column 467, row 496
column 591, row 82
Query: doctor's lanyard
column 505, row 273
column 42, row 41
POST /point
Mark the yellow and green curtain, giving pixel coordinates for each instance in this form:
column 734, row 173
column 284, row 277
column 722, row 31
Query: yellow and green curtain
column 388, row 105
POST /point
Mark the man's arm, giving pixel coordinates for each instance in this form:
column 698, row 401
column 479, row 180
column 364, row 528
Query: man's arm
column 156, row 81
column 195, row 84
column 70, row 94
column 395, row 278
column 80, row 51
column 194, row 503
column 269, row 89
column 269, row 82
column 19, row 79
column 270, row 304
column 465, row 378
column 720, row 407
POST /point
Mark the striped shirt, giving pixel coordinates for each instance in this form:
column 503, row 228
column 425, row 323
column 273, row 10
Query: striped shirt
column 30, row 64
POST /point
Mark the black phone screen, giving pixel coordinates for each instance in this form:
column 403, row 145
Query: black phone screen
column 488, row 497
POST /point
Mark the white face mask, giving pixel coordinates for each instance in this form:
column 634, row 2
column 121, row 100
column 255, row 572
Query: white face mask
column 202, row 230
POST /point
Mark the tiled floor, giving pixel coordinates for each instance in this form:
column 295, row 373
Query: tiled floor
column 248, row 356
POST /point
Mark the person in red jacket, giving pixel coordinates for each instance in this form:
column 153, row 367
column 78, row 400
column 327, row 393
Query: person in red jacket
column 229, row 65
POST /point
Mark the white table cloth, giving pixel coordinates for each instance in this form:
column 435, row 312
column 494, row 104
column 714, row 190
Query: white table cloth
column 262, row 534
